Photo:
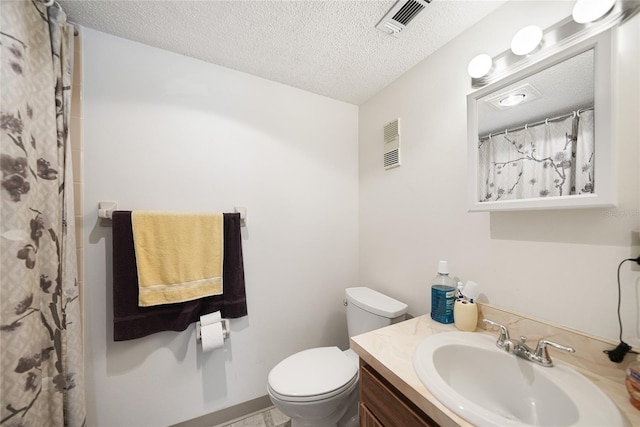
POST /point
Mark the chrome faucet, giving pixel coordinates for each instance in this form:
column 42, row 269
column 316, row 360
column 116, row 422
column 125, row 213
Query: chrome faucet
column 518, row 347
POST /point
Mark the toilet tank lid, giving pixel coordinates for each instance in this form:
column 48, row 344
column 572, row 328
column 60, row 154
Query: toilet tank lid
column 375, row 302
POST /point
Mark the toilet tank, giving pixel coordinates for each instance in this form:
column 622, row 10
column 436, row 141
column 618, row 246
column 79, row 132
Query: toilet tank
column 368, row 310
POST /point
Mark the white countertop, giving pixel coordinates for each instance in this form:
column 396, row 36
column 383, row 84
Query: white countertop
column 390, row 352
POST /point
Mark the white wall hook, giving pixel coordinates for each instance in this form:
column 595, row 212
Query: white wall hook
column 106, row 208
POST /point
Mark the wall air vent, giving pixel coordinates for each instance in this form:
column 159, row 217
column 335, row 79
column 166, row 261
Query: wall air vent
column 392, row 144
column 400, row 15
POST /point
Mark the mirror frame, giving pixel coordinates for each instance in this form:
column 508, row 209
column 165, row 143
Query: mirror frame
column 605, row 174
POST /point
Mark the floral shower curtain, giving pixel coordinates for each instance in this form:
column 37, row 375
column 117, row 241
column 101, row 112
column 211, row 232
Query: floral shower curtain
column 41, row 378
column 551, row 159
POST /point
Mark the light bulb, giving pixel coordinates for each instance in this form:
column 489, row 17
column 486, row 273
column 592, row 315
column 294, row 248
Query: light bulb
column 585, row 11
column 526, row 40
column 480, row 66
column 513, row 99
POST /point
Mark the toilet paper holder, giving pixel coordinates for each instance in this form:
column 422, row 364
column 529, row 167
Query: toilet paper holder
column 226, row 330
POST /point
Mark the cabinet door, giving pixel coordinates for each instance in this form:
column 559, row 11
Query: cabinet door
column 386, row 405
column 367, row 419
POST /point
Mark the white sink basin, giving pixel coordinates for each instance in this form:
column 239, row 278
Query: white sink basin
column 489, row 387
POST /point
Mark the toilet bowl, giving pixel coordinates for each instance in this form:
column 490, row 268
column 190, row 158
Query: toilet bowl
column 318, row 387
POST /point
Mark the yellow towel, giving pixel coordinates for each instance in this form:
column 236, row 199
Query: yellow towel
column 179, row 256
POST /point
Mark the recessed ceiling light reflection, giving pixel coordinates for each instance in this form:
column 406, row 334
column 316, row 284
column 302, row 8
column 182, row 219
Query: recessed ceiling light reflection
column 513, row 99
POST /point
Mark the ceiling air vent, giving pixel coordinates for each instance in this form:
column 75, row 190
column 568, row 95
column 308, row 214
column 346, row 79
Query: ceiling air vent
column 392, row 144
column 400, row 15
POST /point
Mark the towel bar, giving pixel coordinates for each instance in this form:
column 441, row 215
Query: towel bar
column 106, row 208
column 226, row 330
column 243, row 215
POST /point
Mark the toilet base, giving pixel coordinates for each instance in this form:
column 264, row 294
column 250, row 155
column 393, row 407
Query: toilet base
column 337, row 411
column 350, row 418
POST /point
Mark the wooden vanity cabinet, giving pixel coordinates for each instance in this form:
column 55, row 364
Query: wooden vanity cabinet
column 382, row 405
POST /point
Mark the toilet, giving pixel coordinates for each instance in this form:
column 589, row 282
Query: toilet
column 319, row 386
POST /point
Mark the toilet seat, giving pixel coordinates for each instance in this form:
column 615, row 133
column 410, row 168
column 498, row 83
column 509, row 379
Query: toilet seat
column 311, row 375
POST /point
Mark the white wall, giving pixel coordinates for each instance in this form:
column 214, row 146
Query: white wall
column 554, row 265
column 166, row 132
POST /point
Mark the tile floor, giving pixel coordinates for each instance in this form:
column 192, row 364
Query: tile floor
column 269, row 418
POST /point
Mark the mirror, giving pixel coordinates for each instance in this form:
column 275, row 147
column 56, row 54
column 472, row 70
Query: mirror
column 542, row 138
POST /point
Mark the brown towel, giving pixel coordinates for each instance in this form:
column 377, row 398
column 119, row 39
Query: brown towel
column 131, row 322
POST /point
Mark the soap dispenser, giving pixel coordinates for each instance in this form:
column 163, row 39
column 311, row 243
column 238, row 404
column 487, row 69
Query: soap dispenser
column 443, row 295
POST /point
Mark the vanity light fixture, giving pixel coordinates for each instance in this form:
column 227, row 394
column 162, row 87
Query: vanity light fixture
column 532, row 44
column 512, row 100
column 585, row 11
column 526, row 40
column 480, row 66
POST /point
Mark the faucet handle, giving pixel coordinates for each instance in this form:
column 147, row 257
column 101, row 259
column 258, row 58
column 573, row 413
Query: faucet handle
column 542, row 354
column 504, row 332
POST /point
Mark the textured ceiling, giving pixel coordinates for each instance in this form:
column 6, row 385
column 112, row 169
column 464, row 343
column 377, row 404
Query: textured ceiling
column 327, row 47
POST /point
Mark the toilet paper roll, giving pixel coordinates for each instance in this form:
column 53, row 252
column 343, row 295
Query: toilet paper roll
column 212, row 336
column 211, row 318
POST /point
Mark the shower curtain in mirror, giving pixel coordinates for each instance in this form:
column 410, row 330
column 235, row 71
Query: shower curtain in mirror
column 40, row 324
column 550, row 159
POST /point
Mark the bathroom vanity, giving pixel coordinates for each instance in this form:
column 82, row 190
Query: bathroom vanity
column 392, row 395
column 381, row 404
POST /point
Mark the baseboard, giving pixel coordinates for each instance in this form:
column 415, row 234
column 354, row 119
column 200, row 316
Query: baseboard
column 227, row 415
